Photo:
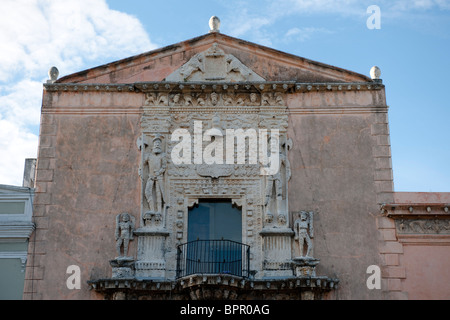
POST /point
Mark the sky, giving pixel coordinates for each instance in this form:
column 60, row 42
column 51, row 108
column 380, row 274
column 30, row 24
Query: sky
column 411, row 46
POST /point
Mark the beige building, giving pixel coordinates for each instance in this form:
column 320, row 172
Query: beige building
column 219, row 168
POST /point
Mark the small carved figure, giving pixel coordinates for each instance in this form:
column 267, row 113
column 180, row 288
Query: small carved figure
column 124, row 232
column 214, row 98
column 304, row 231
column 253, row 99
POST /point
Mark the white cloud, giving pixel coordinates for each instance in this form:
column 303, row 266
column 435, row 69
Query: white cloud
column 37, row 34
column 302, row 34
column 20, row 102
column 408, row 5
column 16, row 144
column 253, row 19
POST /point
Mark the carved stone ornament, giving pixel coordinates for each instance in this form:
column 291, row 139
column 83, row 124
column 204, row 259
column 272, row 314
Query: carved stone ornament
column 214, row 172
column 214, row 65
column 423, row 226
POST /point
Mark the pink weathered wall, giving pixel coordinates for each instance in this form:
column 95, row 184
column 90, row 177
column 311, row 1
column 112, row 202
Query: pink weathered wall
column 427, row 271
column 339, row 171
column 87, row 164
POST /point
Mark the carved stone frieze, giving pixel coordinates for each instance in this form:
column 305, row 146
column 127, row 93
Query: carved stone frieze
column 156, row 99
column 215, row 99
column 423, row 226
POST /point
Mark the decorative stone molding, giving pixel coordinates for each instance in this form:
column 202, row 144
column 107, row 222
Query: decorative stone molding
column 419, row 218
column 202, row 86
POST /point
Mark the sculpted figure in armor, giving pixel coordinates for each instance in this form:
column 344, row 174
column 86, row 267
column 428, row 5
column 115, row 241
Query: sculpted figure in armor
column 154, row 188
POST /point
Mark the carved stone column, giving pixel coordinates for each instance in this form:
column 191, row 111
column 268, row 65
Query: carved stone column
column 152, row 143
column 151, row 260
column 276, row 234
column 277, row 251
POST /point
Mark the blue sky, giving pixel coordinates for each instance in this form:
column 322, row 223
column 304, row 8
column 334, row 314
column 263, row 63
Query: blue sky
column 411, row 48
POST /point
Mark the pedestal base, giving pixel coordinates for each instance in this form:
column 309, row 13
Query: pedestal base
column 305, row 266
column 151, row 261
column 277, row 252
column 122, row 267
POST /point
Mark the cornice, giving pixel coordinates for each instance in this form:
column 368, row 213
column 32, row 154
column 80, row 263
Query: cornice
column 169, row 87
column 416, row 210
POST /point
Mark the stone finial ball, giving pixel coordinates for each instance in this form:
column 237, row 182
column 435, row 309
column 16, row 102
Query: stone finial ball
column 214, row 24
column 53, row 73
column 375, row 73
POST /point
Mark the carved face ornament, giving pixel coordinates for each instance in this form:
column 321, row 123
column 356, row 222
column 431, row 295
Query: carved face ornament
column 157, row 146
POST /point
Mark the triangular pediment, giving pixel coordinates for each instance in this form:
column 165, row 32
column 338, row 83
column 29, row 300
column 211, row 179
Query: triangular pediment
column 214, row 65
column 214, row 57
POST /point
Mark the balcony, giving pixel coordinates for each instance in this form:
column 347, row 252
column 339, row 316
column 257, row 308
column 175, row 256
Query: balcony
column 213, row 257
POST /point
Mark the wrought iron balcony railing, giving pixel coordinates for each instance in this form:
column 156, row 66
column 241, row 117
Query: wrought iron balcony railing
column 213, row 257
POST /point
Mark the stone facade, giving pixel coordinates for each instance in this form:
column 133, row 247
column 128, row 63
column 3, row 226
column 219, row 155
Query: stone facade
column 107, row 146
